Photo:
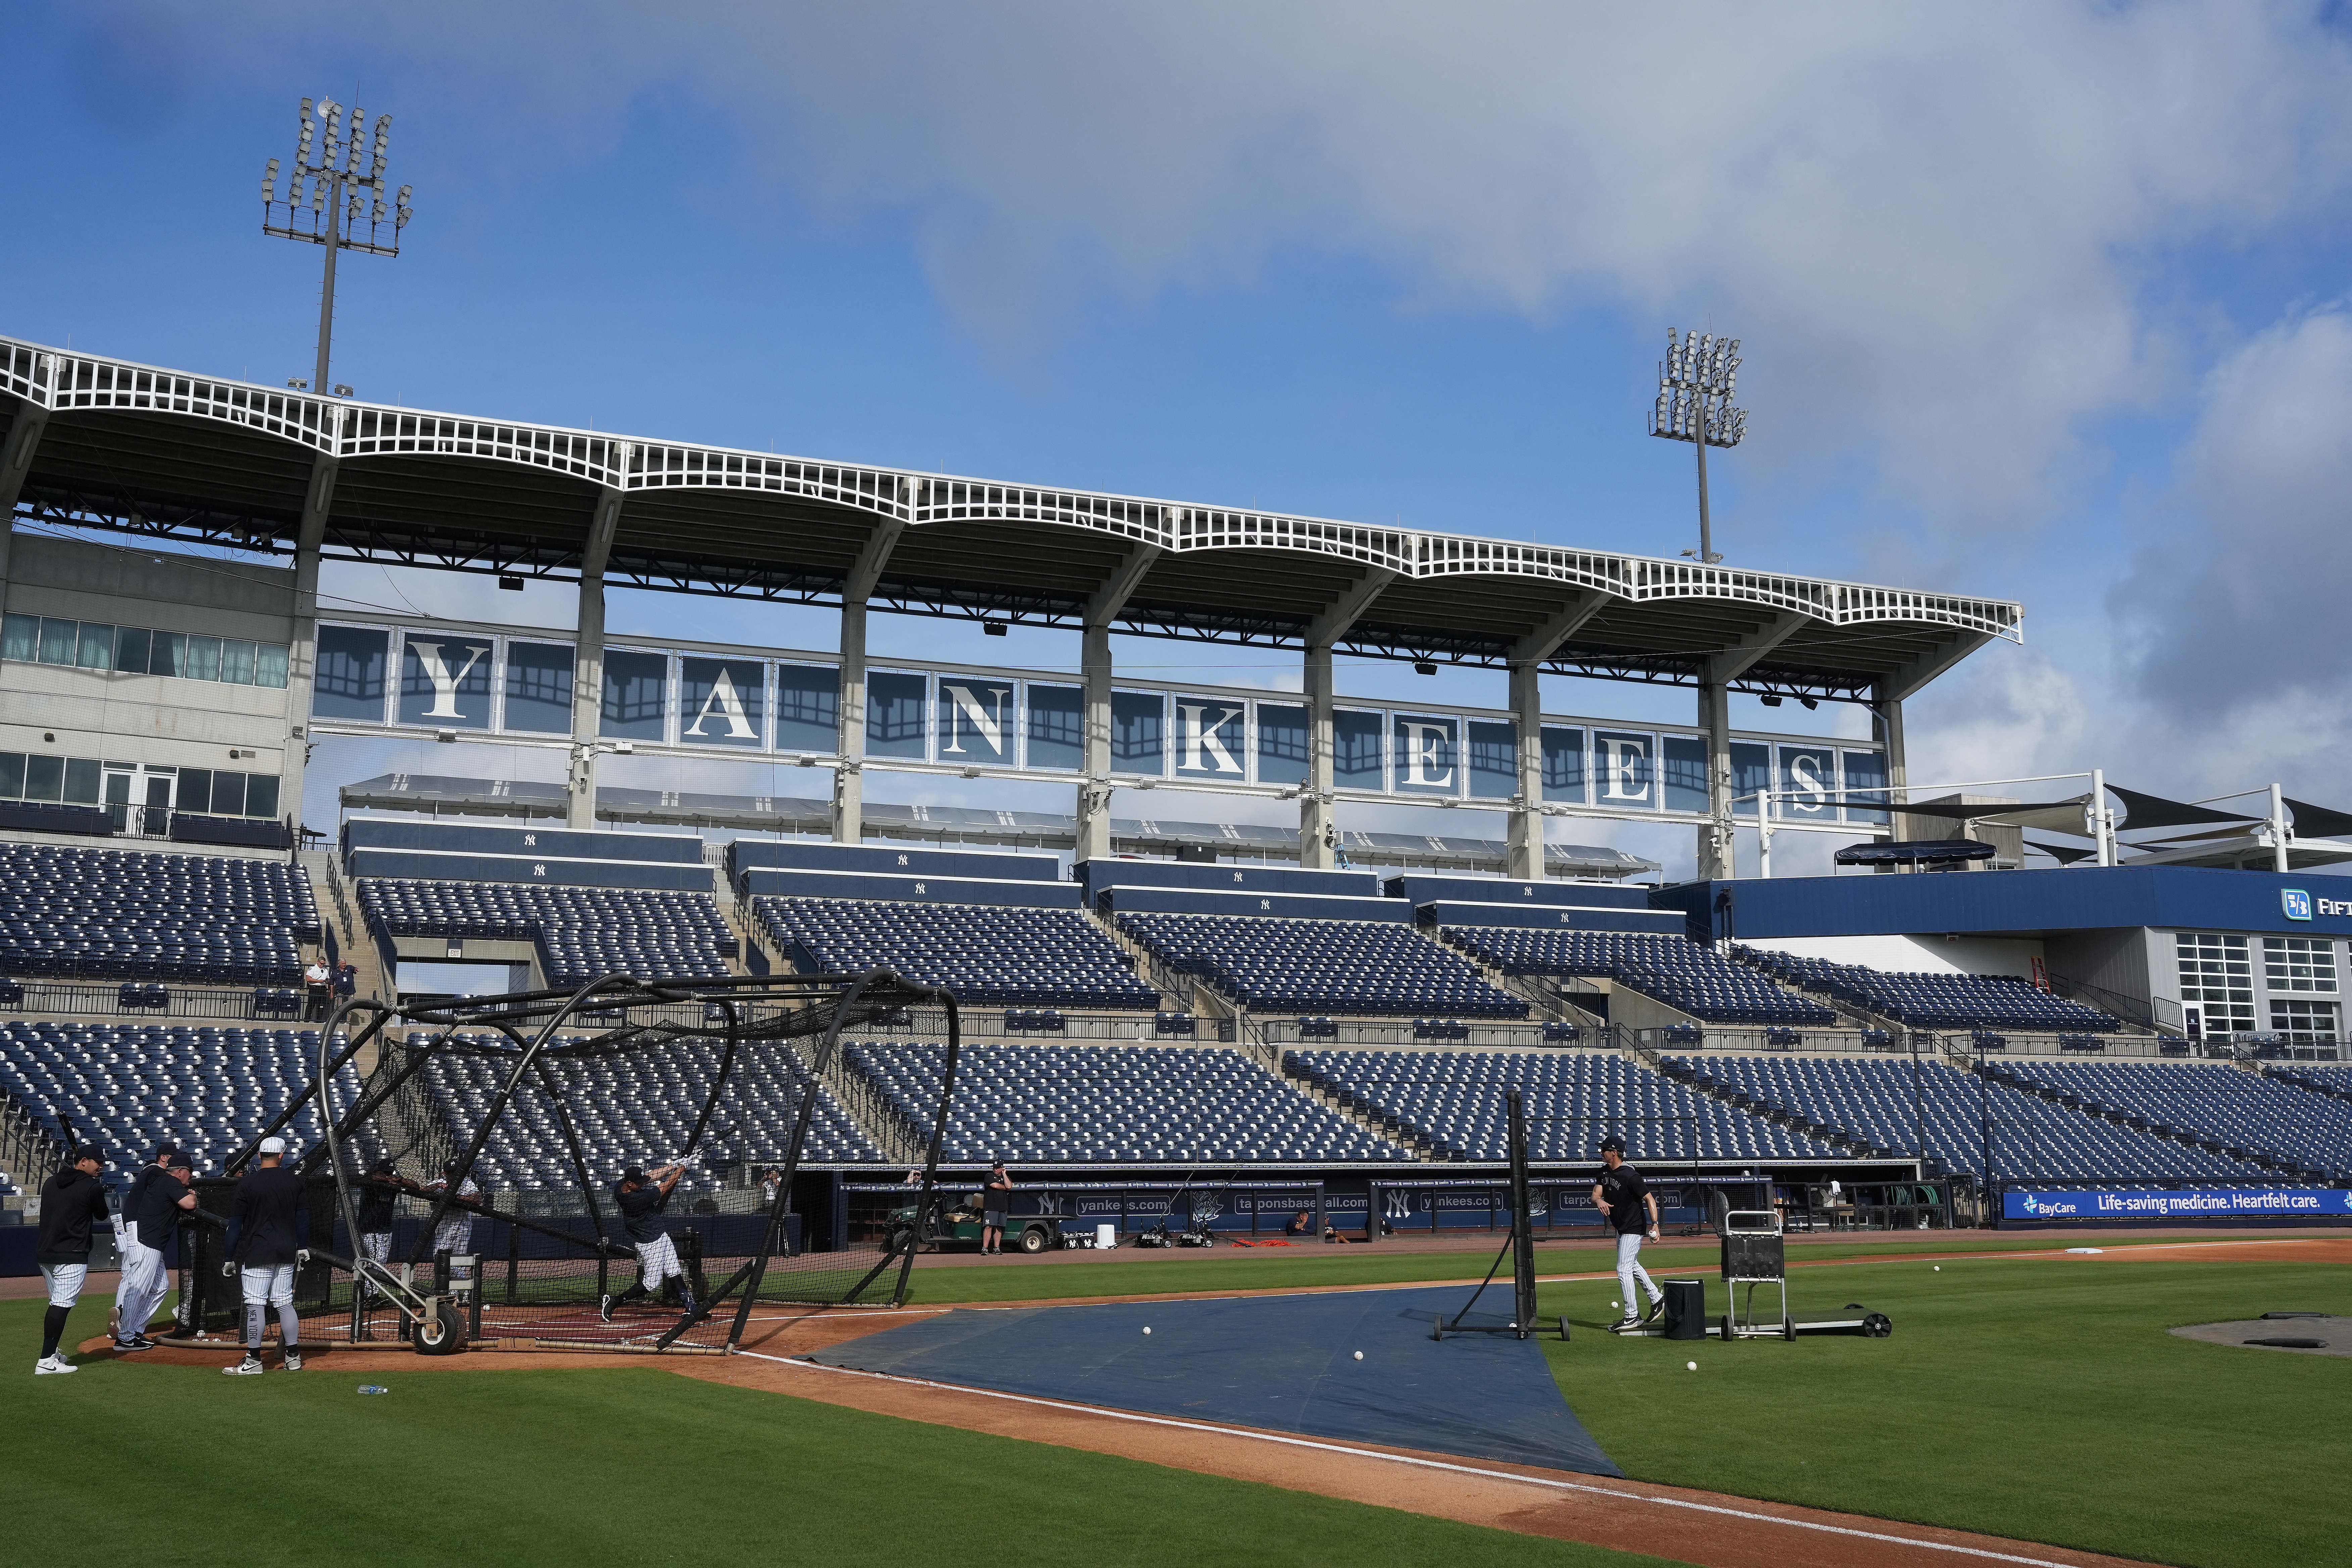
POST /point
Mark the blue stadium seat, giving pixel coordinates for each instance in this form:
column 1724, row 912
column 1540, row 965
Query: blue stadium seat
column 581, row 932
column 1987, row 1002
column 1674, row 970
column 131, row 1087
column 116, row 914
column 1453, row 1100
column 1872, row 1101
column 1353, row 967
column 1081, row 1104
column 627, row 1110
column 987, row 954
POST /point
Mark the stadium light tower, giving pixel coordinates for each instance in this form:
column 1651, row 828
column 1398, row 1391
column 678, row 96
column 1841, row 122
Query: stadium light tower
column 1696, row 384
column 330, row 196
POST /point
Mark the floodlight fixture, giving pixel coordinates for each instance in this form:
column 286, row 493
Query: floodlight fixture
column 1697, row 382
column 335, row 198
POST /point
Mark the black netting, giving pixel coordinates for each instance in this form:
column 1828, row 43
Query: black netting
column 479, row 1159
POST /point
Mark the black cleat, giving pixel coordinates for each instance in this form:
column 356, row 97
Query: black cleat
column 1657, row 1305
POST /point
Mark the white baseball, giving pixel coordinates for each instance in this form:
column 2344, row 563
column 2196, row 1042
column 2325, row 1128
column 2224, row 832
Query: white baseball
column 1146, row 1328
column 1692, row 1365
column 1360, row 1355
column 1939, row 1268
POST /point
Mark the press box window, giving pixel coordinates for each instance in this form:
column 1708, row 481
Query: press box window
column 2299, row 963
column 2305, row 1020
column 2217, row 977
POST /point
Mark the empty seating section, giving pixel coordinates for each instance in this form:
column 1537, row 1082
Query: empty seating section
column 2325, row 1080
column 581, row 932
column 1145, row 1103
column 988, row 956
column 1454, row 1098
column 125, row 914
column 2213, row 1102
column 1674, row 970
column 131, row 1088
column 1938, row 1001
column 1321, row 967
column 628, row 1111
column 1872, row 1101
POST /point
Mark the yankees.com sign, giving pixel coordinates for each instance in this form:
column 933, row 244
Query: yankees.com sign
column 451, row 677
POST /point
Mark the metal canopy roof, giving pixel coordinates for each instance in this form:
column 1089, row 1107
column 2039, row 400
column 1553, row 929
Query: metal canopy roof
column 165, row 453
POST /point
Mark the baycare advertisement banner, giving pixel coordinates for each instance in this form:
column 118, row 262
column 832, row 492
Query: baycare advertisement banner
column 2196, row 1202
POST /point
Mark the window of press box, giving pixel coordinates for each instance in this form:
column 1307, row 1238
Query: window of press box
column 75, row 780
column 137, row 650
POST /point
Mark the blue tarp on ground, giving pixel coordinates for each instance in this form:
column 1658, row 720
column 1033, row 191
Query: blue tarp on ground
column 1282, row 1362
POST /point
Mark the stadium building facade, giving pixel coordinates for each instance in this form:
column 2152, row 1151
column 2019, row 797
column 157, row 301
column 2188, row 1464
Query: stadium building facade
column 1284, row 1016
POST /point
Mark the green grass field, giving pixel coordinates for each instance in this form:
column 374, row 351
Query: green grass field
column 2023, row 1397
column 154, row 1465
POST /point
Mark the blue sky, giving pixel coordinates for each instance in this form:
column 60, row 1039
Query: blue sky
column 2045, row 301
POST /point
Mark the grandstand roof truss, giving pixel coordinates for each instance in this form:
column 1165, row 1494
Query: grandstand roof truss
column 163, row 453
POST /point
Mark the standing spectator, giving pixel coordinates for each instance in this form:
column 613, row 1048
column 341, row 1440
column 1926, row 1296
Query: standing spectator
column 996, row 1201
column 265, row 1232
column 347, row 980
column 70, row 1201
column 151, row 1212
column 320, row 982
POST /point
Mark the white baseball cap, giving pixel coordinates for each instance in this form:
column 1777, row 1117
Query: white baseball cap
column 273, row 1145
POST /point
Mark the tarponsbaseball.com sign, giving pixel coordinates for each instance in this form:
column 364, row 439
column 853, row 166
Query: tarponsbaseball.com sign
column 2204, row 1202
column 441, row 677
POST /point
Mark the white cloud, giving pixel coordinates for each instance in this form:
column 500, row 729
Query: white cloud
column 1933, row 226
column 2239, row 606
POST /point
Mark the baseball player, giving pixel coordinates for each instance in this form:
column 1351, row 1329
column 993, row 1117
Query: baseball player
column 454, row 1234
column 71, row 1201
column 642, row 1194
column 1631, row 1208
column 151, row 1212
column 266, row 1226
column 379, row 1202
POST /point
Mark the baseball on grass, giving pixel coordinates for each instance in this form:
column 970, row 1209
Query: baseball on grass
column 1939, row 1268
column 1692, row 1365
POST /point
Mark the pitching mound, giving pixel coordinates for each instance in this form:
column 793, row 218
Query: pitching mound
column 2296, row 1333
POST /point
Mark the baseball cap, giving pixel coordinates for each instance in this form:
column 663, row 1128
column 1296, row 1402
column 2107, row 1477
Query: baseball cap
column 89, row 1151
column 633, row 1173
column 166, row 1153
column 273, row 1145
column 1612, row 1144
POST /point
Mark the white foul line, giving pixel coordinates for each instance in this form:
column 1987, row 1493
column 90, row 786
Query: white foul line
column 1410, row 1459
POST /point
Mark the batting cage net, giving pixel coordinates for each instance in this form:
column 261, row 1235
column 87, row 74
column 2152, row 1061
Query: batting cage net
column 608, row 1169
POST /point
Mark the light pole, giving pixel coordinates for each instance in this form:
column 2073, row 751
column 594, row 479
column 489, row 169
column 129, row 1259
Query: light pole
column 1696, row 382
column 339, row 196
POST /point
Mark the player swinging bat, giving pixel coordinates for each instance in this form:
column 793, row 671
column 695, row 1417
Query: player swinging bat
column 641, row 1196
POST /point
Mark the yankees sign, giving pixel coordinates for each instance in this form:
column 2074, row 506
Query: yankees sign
column 755, row 703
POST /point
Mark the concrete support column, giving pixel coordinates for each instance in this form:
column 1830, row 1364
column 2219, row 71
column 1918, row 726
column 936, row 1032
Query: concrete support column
column 588, row 663
column 1887, row 724
column 1319, row 823
column 1717, row 858
column 15, row 464
column 1094, row 786
column 302, row 657
column 849, row 775
column 1526, row 861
